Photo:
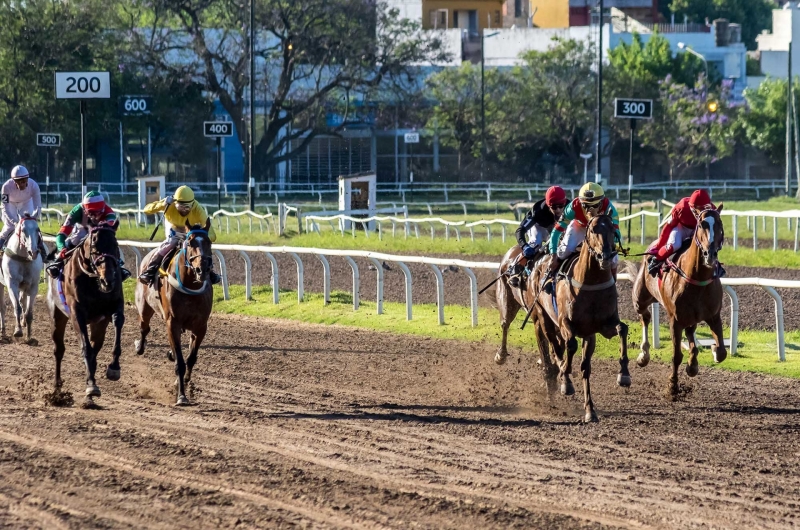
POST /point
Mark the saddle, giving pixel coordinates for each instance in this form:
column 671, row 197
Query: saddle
column 674, row 258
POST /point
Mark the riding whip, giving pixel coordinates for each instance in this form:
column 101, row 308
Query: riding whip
column 490, row 284
column 159, row 222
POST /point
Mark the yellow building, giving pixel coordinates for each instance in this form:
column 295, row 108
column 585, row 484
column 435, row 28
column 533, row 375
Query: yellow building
column 472, row 15
column 550, row 13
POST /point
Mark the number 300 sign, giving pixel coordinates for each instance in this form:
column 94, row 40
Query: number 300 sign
column 83, row 85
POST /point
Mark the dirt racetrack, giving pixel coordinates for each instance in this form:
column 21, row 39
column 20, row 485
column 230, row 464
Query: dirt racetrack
column 328, row 427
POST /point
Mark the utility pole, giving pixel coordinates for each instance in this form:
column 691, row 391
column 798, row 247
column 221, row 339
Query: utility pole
column 788, row 184
column 598, row 175
column 483, row 109
column 252, row 183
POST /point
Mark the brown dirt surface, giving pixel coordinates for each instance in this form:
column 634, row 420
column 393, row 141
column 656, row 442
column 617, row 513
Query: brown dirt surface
column 312, row 426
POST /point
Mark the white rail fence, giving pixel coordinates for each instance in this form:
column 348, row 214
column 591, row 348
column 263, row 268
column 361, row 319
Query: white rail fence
column 467, row 267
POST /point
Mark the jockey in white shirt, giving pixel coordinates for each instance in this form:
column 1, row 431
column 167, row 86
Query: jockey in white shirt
column 20, row 195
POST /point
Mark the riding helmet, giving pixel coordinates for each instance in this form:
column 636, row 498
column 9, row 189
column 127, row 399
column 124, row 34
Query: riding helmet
column 93, row 202
column 591, row 193
column 700, row 200
column 184, row 194
column 19, row 172
column 555, row 196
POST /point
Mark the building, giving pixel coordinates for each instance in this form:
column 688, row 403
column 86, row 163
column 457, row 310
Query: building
column 773, row 48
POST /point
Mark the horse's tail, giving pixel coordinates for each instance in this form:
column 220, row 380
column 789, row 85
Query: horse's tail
column 630, row 268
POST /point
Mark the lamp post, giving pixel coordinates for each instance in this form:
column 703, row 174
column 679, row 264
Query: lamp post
column 599, row 127
column 586, row 157
column 683, row 46
column 252, row 183
column 484, row 36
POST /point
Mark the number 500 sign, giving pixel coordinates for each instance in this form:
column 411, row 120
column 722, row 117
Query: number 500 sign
column 83, row 85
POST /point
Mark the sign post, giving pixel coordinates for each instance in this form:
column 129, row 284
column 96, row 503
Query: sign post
column 218, row 130
column 83, row 86
column 132, row 105
column 411, row 139
column 48, row 140
column 633, row 109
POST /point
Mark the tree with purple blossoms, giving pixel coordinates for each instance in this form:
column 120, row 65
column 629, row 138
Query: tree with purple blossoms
column 687, row 130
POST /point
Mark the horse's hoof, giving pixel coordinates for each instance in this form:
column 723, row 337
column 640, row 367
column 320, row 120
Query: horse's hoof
column 139, row 345
column 32, row 342
column 18, row 334
column 5, row 339
column 590, row 417
column 643, row 359
column 112, row 374
column 692, row 369
column 720, row 355
column 92, row 391
column 182, row 401
column 624, row 380
column 500, row 358
column 567, row 388
column 170, row 355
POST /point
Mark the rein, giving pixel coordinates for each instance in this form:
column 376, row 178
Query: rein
column 96, row 261
column 685, row 277
column 21, row 246
column 595, row 286
column 175, row 281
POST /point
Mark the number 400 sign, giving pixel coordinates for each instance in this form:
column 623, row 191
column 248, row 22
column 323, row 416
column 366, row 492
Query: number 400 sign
column 83, row 85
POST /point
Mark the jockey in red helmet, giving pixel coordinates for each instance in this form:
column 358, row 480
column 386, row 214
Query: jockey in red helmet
column 681, row 226
column 535, row 228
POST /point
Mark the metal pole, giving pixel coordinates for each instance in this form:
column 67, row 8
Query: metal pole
column 585, row 170
column 598, row 174
column 47, row 181
column 149, row 151
column 483, row 109
column 630, row 178
column 219, row 173
column 789, row 125
column 83, row 148
column 252, row 104
column 121, row 155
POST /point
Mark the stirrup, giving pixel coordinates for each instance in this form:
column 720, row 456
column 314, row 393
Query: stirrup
column 54, row 270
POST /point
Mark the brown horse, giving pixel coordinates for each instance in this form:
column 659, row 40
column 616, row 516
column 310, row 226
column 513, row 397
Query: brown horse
column 91, row 296
column 586, row 304
column 690, row 293
column 509, row 301
column 183, row 298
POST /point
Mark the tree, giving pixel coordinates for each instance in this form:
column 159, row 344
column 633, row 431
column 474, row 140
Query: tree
column 764, row 124
column 753, row 15
column 312, row 54
column 688, row 129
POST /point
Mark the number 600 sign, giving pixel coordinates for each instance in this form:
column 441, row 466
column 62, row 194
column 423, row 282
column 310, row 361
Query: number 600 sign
column 83, row 85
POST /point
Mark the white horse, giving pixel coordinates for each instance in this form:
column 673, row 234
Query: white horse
column 20, row 272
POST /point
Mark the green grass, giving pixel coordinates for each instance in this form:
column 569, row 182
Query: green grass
column 757, row 349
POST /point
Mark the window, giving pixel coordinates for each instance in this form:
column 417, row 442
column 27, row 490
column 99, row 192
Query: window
column 517, row 8
column 439, row 19
column 497, row 19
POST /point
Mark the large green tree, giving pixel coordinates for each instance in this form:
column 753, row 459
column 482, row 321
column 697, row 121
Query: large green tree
column 764, row 125
column 753, row 15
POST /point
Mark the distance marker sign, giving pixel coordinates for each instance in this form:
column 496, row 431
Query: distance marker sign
column 217, row 129
column 637, row 109
column 135, row 105
column 83, row 85
column 48, row 139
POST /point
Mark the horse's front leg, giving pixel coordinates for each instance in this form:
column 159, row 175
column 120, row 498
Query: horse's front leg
column 509, row 307
column 3, row 336
column 586, row 372
column 624, row 377
column 89, row 353
column 565, row 366
column 30, row 299
column 118, row 318
column 676, row 331
column 16, row 304
column 60, row 321
column 644, row 355
column 692, row 366
column 174, row 335
column 719, row 351
column 197, row 339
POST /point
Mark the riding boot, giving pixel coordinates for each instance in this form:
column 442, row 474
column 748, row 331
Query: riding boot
column 614, row 274
column 216, row 279
column 148, row 277
column 55, row 268
column 549, row 281
column 2, row 243
column 654, row 266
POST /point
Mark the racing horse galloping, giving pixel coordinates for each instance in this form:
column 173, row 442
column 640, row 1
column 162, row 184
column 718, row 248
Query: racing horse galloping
column 90, row 296
column 20, row 271
column 691, row 295
column 582, row 305
column 184, row 298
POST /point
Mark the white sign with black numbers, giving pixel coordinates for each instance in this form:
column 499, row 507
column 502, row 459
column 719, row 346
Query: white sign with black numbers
column 638, row 109
column 215, row 129
column 133, row 105
column 412, row 138
column 48, row 139
column 83, row 85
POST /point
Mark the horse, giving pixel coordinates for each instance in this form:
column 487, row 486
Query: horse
column 20, row 271
column 509, row 301
column 184, row 299
column 690, row 293
column 585, row 304
column 90, row 296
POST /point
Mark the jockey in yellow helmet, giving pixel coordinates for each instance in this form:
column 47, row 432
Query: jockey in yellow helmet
column 591, row 202
column 178, row 209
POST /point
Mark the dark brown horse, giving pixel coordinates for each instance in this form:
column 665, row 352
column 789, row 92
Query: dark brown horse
column 183, row 298
column 509, row 301
column 690, row 292
column 90, row 297
column 586, row 304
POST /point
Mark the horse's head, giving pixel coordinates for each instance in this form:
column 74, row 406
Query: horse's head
column 198, row 250
column 709, row 235
column 28, row 236
column 600, row 240
column 102, row 252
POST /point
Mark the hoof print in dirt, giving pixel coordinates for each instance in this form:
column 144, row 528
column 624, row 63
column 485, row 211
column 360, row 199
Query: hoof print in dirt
column 58, row 398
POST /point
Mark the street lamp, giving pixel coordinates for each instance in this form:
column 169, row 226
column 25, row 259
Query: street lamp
column 683, row 46
column 586, row 157
column 483, row 105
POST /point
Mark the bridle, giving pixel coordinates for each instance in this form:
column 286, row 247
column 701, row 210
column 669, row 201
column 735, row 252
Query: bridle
column 32, row 252
column 600, row 256
column 175, row 281
column 93, row 261
column 703, row 252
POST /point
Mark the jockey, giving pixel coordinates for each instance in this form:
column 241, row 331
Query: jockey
column 91, row 212
column 591, row 202
column 178, row 209
column 682, row 224
column 20, row 195
column 540, row 219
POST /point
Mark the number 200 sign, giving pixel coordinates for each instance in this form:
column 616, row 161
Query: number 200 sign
column 83, row 85
column 641, row 109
